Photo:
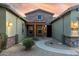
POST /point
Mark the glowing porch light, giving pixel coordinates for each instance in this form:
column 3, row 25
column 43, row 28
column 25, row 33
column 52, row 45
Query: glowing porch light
column 74, row 28
column 74, row 25
column 9, row 24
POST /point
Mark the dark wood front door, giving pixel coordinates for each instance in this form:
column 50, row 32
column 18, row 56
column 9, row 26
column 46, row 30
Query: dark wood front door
column 49, row 31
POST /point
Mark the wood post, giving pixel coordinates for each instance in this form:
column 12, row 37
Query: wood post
column 35, row 29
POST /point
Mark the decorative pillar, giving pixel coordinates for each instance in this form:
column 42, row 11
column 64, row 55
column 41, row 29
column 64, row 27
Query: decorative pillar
column 35, row 29
column 44, row 32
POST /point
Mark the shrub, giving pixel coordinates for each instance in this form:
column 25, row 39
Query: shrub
column 28, row 43
column 3, row 40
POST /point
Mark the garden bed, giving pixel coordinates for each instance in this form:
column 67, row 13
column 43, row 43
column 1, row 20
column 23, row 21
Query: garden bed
column 56, row 44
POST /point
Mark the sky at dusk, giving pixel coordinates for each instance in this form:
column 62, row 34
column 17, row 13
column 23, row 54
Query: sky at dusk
column 55, row 8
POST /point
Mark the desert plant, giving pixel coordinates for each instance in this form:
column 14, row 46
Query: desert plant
column 28, row 43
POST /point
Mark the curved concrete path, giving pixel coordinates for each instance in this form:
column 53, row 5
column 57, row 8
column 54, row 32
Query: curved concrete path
column 41, row 44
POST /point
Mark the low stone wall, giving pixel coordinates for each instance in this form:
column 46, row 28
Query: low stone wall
column 11, row 41
column 71, row 41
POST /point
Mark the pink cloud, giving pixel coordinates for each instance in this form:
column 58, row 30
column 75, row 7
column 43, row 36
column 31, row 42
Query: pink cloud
column 51, row 7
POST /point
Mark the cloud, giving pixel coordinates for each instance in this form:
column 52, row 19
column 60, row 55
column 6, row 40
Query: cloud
column 55, row 8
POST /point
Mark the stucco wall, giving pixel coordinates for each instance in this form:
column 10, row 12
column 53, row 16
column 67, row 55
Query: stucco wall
column 11, row 17
column 7, row 16
column 61, row 27
column 16, row 28
column 2, row 20
column 75, row 16
column 57, row 29
column 20, row 30
column 45, row 16
column 67, row 21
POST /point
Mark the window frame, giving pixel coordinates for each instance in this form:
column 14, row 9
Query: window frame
column 39, row 16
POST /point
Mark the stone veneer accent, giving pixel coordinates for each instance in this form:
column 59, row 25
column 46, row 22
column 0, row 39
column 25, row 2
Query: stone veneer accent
column 72, row 41
column 10, row 41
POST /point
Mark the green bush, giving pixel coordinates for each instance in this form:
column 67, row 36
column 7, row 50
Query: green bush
column 3, row 41
column 28, row 43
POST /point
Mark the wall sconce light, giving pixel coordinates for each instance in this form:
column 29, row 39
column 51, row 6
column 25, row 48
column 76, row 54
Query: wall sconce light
column 74, row 25
column 10, row 24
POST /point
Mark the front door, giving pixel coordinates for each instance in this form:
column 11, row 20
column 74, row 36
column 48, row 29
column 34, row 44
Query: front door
column 49, row 31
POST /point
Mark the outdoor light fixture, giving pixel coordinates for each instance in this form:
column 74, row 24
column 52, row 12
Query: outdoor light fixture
column 10, row 24
column 74, row 28
column 74, row 25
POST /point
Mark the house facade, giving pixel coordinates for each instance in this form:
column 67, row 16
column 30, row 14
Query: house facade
column 38, row 21
column 12, row 24
column 65, row 28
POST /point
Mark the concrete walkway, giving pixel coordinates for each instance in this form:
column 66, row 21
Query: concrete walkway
column 41, row 44
column 18, row 50
column 39, row 49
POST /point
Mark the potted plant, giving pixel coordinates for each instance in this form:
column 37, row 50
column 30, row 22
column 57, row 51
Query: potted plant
column 28, row 43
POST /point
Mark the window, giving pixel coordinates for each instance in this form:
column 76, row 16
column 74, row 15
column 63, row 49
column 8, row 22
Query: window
column 39, row 29
column 39, row 17
column 30, row 28
column 22, row 28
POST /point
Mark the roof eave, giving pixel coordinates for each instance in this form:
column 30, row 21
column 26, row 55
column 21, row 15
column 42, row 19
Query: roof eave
column 11, row 10
column 37, row 10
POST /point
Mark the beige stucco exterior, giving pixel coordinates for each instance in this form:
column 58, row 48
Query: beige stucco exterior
column 2, row 20
column 16, row 27
column 12, row 30
column 12, row 24
column 61, row 25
